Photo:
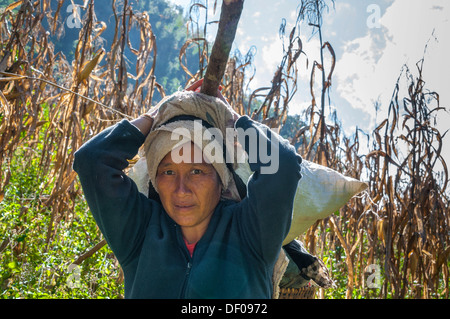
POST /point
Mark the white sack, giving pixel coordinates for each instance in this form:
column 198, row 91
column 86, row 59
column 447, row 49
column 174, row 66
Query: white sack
column 139, row 174
column 321, row 191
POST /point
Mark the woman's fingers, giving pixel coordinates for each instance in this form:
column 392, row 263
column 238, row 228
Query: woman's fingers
column 195, row 86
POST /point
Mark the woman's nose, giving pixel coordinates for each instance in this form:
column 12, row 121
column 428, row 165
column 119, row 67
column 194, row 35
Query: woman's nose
column 182, row 185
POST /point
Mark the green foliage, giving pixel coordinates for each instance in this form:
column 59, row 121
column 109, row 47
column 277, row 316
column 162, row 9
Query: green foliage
column 32, row 267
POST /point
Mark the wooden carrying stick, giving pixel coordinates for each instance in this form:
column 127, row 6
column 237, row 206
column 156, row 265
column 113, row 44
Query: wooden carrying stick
column 229, row 18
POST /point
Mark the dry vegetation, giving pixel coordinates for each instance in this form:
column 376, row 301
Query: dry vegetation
column 401, row 224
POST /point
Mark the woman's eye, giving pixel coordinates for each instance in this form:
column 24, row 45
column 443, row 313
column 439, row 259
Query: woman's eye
column 168, row 172
column 196, row 171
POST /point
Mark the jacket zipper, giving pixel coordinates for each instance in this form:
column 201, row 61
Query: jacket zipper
column 185, row 253
column 186, row 280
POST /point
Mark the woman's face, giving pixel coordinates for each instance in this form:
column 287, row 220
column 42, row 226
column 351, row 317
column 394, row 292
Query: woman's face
column 189, row 191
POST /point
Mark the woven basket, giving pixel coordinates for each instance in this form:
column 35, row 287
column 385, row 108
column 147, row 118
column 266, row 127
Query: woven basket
column 298, row 293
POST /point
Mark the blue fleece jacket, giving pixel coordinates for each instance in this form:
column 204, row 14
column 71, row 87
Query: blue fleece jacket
column 233, row 259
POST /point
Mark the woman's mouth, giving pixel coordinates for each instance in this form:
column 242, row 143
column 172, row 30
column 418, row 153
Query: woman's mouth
column 184, row 206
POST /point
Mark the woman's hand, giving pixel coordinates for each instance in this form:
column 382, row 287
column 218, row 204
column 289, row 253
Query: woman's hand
column 196, row 86
column 145, row 122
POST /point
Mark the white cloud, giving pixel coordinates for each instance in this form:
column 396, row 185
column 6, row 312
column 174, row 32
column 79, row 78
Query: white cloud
column 268, row 59
column 370, row 65
column 369, row 61
column 362, row 77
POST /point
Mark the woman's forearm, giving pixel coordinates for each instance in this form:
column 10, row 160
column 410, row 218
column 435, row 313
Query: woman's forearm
column 271, row 189
column 120, row 211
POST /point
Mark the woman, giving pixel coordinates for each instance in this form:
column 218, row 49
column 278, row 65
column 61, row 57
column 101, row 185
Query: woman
column 191, row 242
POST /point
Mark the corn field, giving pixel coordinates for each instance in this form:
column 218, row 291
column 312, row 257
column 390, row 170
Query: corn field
column 50, row 106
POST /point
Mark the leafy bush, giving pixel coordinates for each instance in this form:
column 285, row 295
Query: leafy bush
column 33, row 267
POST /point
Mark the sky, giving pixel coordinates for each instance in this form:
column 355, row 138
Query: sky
column 373, row 41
